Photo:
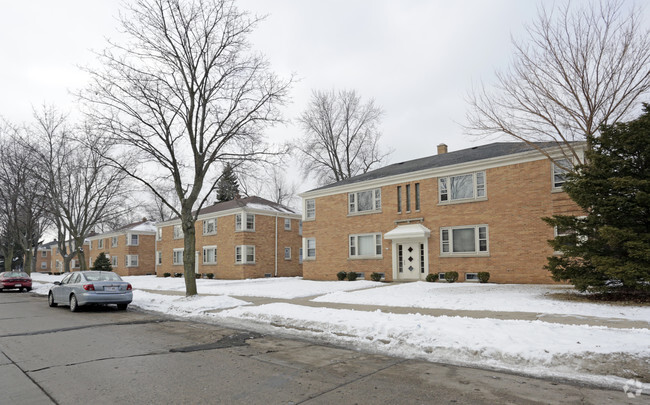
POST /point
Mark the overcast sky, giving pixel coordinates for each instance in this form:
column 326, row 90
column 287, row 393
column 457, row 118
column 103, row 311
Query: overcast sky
column 416, row 58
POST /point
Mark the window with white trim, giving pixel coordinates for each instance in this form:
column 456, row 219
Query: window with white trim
column 310, row 245
column 399, row 199
column 287, row 224
column 300, row 256
column 73, row 263
column 209, row 255
column 43, row 265
column 210, row 226
column 310, row 209
column 114, row 241
column 158, row 257
column 464, row 240
column 417, row 196
column 158, row 233
column 471, row 276
column 131, row 260
column 364, row 201
column 300, row 227
column 560, row 170
column 177, row 257
column 178, row 232
column 114, row 261
column 464, row 187
column 365, row 245
column 132, row 239
column 287, row 253
column 244, row 254
column 44, row 253
column 100, row 244
column 244, row 222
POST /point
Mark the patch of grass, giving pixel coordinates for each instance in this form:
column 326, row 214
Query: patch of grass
column 615, row 298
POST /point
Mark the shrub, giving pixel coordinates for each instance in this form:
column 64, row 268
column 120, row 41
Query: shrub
column 483, row 276
column 197, row 275
column 352, row 276
column 178, row 274
column 210, row 275
column 167, row 275
column 375, row 276
column 451, row 276
column 432, row 277
column 341, row 275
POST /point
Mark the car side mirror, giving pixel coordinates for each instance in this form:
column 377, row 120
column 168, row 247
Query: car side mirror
column 57, row 283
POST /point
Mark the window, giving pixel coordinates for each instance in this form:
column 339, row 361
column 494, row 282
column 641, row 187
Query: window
column 178, row 232
column 44, row 253
column 310, row 244
column 158, row 233
column 177, row 258
column 364, row 201
column 441, row 276
column 471, row 276
column 422, row 258
column 367, row 245
column 300, row 228
column 114, row 241
column 300, row 255
column 560, row 169
column 132, row 239
column 400, row 258
column 73, row 263
column 310, row 209
column 249, row 222
column 210, row 226
column 464, row 240
column 158, row 257
column 209, row 255
column 287, row 224
column 114, row 261
column 417, row 196
column 43, row 265
column 463, row 187
column 399, row 198
column 244, row 254
column 131, row 260
column 408, row 198
column 100, row 244
column 287, row 253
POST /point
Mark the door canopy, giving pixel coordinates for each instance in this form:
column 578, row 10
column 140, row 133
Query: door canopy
column 410, row 231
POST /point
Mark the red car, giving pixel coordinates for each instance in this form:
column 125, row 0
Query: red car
column 15, row 279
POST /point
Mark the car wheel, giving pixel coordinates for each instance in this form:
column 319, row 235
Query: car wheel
column 122, row 307
column 50, row 300
column 28, row 289
column 74, row 304
column 21, row 289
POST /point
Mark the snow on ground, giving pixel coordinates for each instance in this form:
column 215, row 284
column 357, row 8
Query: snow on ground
column 488, row 297
column 182, row 306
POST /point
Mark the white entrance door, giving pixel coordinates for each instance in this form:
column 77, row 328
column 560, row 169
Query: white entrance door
column 409, row 261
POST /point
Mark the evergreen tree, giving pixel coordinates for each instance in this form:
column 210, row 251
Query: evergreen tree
column 608, row 249
column 227, row 187
column 102, row 263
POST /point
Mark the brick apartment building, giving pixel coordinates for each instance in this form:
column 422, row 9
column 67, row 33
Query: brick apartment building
column 43, row 259
column 472, row 210
column 130, row 248
column 56, row 263
column 243, row 238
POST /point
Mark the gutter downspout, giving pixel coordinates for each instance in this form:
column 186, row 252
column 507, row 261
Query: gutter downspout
column 276, row 245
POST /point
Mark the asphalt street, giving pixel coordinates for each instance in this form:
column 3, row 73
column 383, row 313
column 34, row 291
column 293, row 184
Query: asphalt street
column 105, row 356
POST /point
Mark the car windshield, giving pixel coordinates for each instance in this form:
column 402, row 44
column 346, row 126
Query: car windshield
column 11, row 274
column 102, row 276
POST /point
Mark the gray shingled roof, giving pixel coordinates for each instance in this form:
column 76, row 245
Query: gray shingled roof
column 246, row 202
column 446, row 159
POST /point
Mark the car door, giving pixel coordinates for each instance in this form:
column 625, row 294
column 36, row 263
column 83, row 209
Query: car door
column 59, row 291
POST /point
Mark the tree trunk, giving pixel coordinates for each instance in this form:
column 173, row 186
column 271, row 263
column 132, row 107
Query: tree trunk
column 27, row 266
column 9, row 258
column 189, row 259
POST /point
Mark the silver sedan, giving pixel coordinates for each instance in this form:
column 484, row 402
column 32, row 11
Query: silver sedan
column 90, row 287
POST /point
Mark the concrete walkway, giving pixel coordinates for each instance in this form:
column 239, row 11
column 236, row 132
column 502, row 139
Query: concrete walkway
column 526, row 316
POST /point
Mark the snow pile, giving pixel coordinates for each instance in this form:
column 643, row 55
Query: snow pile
column 148, row 226
column 182, row 306
column 484, row 297
column 263, row 207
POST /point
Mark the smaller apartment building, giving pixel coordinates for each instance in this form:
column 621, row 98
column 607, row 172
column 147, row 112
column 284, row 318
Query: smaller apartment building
column 43, row 259
column 131, row 248
column 243, row 238
column 56, row 263
column 469, row 211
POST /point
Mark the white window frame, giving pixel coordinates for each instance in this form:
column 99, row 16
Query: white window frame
column 205, row 250
column 477, row 241
column 158, row 258
column 300, row 227
column 558, row 172
column 353, row 201
column 100, row 244
column 129, row 239
column 43, row 265
column 287, row 224
column 73, row 263
column 243, row 254
column 307, row 249
column 479, row 188
column 114, row 261
column 158, row 233
column 114, row 241
column 300, row 256
column 178, row 232
column 206, row 226
column 242, row 217
column 287, row 253
column 353, row 246
column 132, row 261
column 310, row 209
column 176, row 254
column 44, row 253
column 471, row 277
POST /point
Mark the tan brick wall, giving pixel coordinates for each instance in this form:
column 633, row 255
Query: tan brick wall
column 518, row 196
column 145, row 251
column 47, row 259
column 226, row 238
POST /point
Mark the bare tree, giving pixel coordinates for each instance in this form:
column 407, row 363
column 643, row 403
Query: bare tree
column 341, row 136
column 581, row 67
column 82, row 187
column 280, row 189
column 185, row 92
